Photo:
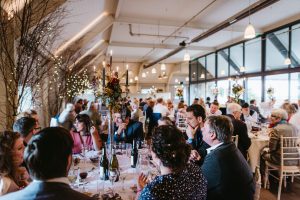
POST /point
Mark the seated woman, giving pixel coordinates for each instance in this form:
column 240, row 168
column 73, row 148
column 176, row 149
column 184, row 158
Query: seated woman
column 85, row 135
column 179, row 179
column 12, row 175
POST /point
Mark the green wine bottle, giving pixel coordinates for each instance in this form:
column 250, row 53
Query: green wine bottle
column 104, row 165
column 114, row 165
column 134, row 154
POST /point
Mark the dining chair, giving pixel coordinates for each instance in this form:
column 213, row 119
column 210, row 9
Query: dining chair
column 235, row 139
column 290, row 152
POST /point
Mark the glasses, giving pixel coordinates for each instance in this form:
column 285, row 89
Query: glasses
column 274, row 116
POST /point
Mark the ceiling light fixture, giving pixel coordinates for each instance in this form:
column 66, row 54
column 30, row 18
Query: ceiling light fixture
column 249, row 31
column 202, row 75
column 176, row 80
column 186, row 57
column 287, row 61
column 153, row 71
column 187, row 79
column 163, row 66
column 143, row 75
column 242, row 69
column 130, row 81
column 136, row 78
column 223, row 72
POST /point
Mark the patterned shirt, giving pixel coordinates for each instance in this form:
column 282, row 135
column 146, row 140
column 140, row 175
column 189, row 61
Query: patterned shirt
column 190, row 184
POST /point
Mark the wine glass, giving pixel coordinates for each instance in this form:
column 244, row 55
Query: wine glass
column 123, row 177
column 113, row 173
column 128, row 150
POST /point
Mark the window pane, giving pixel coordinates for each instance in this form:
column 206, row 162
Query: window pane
column 193, row 92
column 296, row 46
column 201, row 90
column 236, row 59
column 253, row 56
column 223, row 87
column 211, row 66
column 295, row 87
column 201, row 68
column 280, row 85
column 276, row 49
column 209, row 88
column 223, row 63
column 193, row 72
column 254, row 89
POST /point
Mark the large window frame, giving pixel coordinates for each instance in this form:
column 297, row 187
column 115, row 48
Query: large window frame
column 263, row 72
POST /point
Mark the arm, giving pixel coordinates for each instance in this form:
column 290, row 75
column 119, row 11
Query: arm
column 274, row 140
column 243, row 136
column 97, row 143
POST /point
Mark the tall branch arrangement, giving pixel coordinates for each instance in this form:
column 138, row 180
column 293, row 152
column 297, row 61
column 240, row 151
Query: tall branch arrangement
column 26, row 38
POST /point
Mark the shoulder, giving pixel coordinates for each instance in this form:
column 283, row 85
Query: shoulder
column 152, row 189
column 5, row 183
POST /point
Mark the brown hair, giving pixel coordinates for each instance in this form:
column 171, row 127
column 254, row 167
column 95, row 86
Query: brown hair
column 7, row 141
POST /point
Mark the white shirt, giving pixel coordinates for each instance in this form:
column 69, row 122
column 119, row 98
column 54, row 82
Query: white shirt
column 213, row 147
column 217, row 113
column 295, row 120
column 64, row 180
column 251, row 118
column 159, row 108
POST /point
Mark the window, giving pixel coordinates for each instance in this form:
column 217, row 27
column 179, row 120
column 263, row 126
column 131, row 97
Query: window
column 295, row 48
column 277, row 49
column 223, row 63
column 223, row 87
column 253, row 90
column 253, row 55
column 26, row 100
column 236, row 59
column 193, row 92
column 201, row 68
column 280, row 84
column 211, row 66
column 201, row 90
column 209, row 89
column 295, row 87
column 193, row 74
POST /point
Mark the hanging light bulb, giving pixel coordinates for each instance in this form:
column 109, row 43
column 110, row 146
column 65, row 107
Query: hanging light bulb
column 242, row 69
column 223, row 72
column 187, row 79
column 117, row 68
column 153, row 71
column 163, row 67
column 131, row 80
column 136, row 78
column 186, row 57
column 287, row 61
column 202, row 75
column 249, row 32
column 176, row 80
column 143, row 75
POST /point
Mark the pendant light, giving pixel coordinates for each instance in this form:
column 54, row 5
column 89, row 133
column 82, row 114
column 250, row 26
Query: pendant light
column 153, row 71
column 163, row 67
column 250, row 30
column 186, row 57
column 287, row 61
column 143, row 75
column 242, row 69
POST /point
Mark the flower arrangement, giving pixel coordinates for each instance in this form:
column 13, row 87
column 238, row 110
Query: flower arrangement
column 237, row 90
column 270, row 92
column 215, row 91
column 179, row 92
column 112, row 93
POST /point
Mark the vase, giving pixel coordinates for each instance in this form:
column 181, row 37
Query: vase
column 110, row 129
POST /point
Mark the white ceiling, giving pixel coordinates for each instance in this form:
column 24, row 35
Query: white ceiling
column 109, row 20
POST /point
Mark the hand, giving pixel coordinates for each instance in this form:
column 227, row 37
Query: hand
column 195, row 156
column 22, row 176
column 190, row 131
column 142, row 181
column 121, row 128
column 93, row 130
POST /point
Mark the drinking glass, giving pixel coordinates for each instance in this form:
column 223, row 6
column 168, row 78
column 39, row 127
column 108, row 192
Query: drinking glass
column 113, row 173
column 143, row 163
column 123, row 177
column 128, row 150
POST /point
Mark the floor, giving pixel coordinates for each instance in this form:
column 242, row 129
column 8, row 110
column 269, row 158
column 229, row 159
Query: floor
column 292, row 194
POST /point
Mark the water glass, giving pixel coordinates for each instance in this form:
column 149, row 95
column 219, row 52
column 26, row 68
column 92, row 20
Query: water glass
column 128, row 149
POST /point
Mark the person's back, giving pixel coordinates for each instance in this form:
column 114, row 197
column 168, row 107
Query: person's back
column 48, row 157
column 187, row 185
column 228, row 174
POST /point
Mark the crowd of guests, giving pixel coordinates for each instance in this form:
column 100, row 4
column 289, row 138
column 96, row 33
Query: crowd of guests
column 201, row 162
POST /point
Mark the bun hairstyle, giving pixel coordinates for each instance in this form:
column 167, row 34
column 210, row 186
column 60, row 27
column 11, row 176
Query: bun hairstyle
column 170, row 147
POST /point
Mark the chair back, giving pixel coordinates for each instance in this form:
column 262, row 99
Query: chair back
column 235, row 139
column 290, row 151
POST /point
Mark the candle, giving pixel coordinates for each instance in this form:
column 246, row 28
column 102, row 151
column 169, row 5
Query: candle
column 110, row 59
column 103, row 75
column 127, row 75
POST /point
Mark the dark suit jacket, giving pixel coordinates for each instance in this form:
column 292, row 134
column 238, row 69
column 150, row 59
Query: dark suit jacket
column 240, row 129
column 46, row 191
column 261, row 118
column 133, row 131
column 228, row 175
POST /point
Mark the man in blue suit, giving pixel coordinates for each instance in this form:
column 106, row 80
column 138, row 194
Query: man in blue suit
column 48, row 157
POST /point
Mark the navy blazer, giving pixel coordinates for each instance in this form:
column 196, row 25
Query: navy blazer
column 134, row 131
column 228, row 174
column 46, row 191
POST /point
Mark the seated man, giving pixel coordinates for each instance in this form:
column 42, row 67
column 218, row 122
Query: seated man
column 49, row 158
column 254, row 107
column 214, row 109
column 248, row 115
column 126, row 129
column 239, row 127
column 26, row 127
column 227, row 172
column 195, row 116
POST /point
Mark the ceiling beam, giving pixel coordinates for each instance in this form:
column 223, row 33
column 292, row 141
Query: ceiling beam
column 158, row 46
column 176, row 24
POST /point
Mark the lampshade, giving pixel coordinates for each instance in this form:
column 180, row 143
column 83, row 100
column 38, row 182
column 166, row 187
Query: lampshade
column 186, row 57
column 153, row 71
column 249, row 32
column 176, row 80
column 144, row 75
column 136, row 78
column 187, row 79
column 242, row 69
column 163, row 66
column 223, row 72
column 287, row 61
column 202, row 76
column 130, row 81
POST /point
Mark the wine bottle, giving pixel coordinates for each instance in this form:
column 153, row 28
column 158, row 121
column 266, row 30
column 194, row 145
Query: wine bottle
column 104, row 165
column 134, row 154
column 114, row 165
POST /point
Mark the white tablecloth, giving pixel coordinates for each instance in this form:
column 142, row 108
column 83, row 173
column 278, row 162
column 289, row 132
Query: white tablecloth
column 95, row 186
column 257, row 144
